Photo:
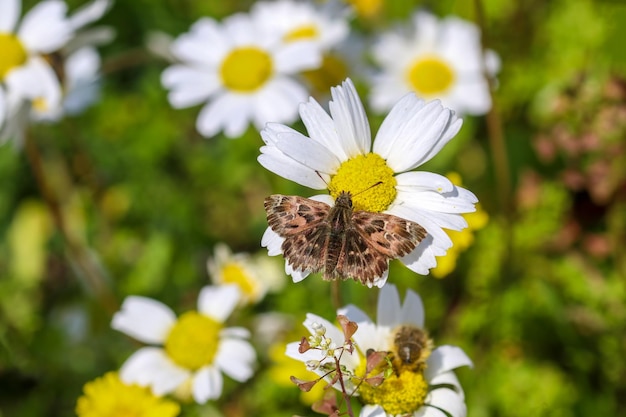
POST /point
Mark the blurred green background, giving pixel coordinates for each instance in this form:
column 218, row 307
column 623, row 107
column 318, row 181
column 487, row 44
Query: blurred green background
column 538, row 301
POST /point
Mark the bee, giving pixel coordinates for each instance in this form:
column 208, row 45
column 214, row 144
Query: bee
column 410, row 348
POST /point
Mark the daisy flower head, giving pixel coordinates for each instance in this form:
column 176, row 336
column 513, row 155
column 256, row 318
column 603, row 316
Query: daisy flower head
column 189, row 353
column 339, row 155
column 109, row 396
column 325, row 25
column 421, row 381
column 254, row 276
column 242, row 69
column 32, row 59
column 437, row 59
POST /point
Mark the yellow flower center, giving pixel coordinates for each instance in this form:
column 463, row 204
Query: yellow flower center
column 302, row 33
column 367, row 8
column 192, row 342
column 13, row 53
column 234, row 273
column 359, row 176
column 108, row 396
column 430, row 76
column 246, row 69
column 400, row 393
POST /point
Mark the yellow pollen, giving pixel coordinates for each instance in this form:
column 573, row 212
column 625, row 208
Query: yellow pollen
column 302, row 33
column 108, row 396
column 402, row 393
column 234, row 273
column 359, row 176
column 13, row 53
column 40, row 104
column 430, row 76
column 246, row 69
column 192, row 342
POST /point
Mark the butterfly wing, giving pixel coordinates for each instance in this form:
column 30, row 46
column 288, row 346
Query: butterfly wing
column 303, row 224
column 373, row 240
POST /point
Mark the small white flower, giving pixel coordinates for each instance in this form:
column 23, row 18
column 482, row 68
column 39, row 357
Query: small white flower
column 254, row 276
column 437, row 59
column 303, row 21
column 339, row 154
column 28, row 82
column 192, row 350
column 430, row 395
column 241, row 68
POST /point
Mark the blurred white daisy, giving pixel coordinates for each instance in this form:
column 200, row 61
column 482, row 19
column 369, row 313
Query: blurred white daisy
column 242, row 69
column 31, row 64
column 339, row 155
column 422, row 382
column 192, row 350
column 436, row 59
column 254, row 276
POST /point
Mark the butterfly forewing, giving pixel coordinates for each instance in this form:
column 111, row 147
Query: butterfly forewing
column 390, row 235
column 290, row 215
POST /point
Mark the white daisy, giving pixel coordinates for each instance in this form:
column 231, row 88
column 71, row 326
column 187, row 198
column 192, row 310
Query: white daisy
column 437, row 59
column 192, row 350
column 241, row 69
column 339, row 155
column 324, row 24
column 254, row 276
column 27, row 78
column 410, row 390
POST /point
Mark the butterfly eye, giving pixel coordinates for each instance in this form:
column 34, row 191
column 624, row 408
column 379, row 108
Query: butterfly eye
column 350, row 203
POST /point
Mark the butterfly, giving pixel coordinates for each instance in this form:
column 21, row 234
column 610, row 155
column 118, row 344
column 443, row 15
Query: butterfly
column 341, row 242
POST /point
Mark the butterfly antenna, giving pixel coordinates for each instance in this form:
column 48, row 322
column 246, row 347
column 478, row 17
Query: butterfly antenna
column 367, row 189
column 322, row 178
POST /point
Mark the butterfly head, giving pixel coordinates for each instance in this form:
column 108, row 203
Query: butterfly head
column 344, row 200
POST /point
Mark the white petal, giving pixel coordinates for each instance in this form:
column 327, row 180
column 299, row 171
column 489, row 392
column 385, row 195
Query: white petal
column 150, row 366
column 89, row 13
column 354, row 314
column 427, row 411
column 307, row 152
column 191, row 47
column 218, row 302
column 207, row 384
column 190, row 86
column 235, row 332
column 145, row 319
column 45, row 27
column 444, row 359
column 350, row 119
column 278, row 101
column 372, row 411
column 228, row 112
column 447, row 400
column 10, row 11
column 388, row 307
column 321, row 128
column 272, row 242
column 278, row 162
column 297, row 56
column 412, row 310
column 422, row 258
column 235, row 359
column 447, row 378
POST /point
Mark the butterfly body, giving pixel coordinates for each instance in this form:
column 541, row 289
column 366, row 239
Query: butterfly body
column 339, row 241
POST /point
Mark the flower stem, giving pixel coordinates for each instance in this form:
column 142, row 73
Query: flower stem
column 78, row 255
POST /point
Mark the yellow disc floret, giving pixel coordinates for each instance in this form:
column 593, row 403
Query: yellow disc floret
column 370, row 181
column 402, row 393
column 235, row 273
column 108, row 396
column 13, row 53
column 246, row 69
column 305, row 32
column 192, row 342
column 430, row 76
